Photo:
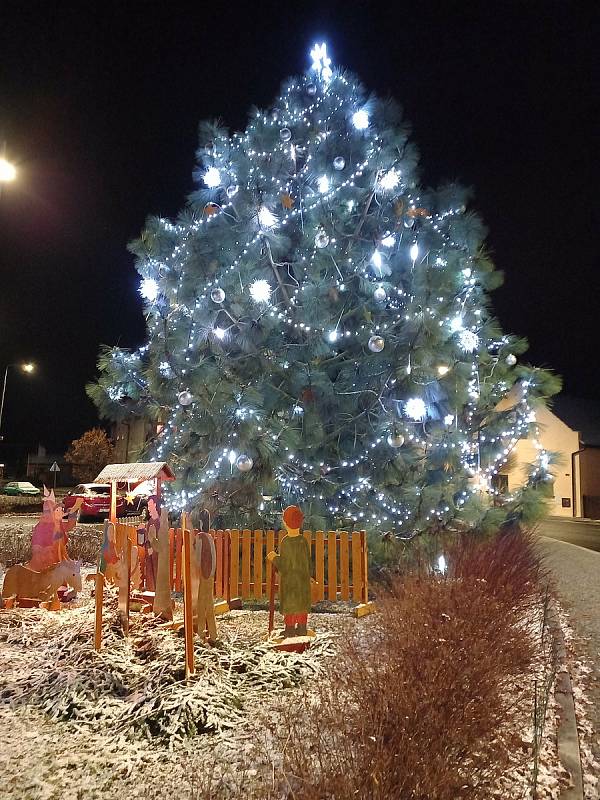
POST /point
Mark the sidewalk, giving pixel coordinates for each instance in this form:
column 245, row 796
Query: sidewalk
column 577, row 574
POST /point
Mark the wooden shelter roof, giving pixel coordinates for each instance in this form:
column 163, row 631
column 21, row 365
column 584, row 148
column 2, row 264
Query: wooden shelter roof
column 136, row 472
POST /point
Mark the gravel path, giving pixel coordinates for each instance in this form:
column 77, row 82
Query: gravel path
column 577, row 573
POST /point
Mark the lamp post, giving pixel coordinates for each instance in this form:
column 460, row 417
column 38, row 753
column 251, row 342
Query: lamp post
column 27, row 368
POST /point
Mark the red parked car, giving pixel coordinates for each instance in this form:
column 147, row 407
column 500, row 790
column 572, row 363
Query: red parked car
column 96, row 500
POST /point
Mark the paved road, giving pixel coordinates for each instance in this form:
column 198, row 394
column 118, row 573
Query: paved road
column 585, row 533
column 577, row 574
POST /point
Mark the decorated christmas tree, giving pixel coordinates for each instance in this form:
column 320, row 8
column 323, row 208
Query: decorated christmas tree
column 319, row 329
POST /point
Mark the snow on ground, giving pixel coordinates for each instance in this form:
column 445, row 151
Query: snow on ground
column 124, row 723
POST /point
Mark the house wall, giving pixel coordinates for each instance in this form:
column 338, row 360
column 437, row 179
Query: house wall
column 556, row 437
column 589, row 460
column 130, row 438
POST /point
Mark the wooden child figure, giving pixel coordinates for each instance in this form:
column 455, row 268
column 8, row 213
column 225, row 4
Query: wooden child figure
column 205, row 564
column 294, row 567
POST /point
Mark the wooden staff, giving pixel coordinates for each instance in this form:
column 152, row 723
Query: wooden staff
column 272, row 600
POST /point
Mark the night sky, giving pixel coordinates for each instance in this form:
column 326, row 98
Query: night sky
column 99, row 106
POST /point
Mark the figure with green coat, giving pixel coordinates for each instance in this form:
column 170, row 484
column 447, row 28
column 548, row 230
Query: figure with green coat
column 294, row 566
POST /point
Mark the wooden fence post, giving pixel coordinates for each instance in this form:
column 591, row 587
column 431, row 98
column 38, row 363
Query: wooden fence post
column 188, row 610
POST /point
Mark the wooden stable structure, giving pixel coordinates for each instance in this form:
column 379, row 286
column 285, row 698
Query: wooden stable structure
column 157, row 471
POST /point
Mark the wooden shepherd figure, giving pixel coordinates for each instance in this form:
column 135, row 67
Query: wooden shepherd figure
column 159, row 541
column 294, row 567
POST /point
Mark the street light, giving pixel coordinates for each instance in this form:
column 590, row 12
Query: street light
column 8, row 171
column 28, row 368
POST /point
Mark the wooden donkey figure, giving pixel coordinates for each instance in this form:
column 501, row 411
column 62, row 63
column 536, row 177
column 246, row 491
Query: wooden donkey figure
column 205, row 565
column 22, row 582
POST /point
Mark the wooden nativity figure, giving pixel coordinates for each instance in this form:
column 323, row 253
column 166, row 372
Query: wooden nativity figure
column 150, row 555
column 158, row 537
column 205, row 565
column 49, row 536
column 294, row 566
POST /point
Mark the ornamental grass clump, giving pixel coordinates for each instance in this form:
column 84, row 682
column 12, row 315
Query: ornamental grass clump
column 425, row 705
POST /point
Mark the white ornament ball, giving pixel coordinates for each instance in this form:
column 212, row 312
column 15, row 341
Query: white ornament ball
column 511, row 359
column 380, row 294
column 321, row 240
column 339, row 162
column 217, row 295
column 285, row 134
column 185, row 398
column 395, row 440
column 311, row 90
column 232, row 190
column 244, row 463
column 376, row 344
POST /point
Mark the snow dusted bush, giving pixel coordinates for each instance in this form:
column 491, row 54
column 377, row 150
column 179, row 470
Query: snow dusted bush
column 428, row 704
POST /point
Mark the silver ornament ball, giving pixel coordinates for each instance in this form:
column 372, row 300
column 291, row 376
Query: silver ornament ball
column 376, row 344
column 395, row 440
column 511, row 359
column 409, row 222
column 380, row 294
column 339, row 162
column 217, row 295
column 311, row 90
column 285, row 134
column 244, row 463
column 185, row 398
column 321, row 240
column 232, row 190
column 275, row 114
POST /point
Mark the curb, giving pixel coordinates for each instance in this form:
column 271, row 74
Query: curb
column 567, row 734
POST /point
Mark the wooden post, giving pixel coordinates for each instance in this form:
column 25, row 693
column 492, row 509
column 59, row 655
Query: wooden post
column 365, row 606
column 188, row 608
column 99, row 599
column 365, row 566
column 227, row 566
column 113, row 501
column 124, row 584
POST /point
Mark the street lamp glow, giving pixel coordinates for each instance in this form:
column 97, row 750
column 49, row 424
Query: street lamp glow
column 28, row 367
column 8, row 171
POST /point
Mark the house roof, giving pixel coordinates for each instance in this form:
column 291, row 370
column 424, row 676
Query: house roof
column 136, row 472
column 581, row 415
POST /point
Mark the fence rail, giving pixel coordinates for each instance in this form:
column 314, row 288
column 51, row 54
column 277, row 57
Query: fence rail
column 339, row 562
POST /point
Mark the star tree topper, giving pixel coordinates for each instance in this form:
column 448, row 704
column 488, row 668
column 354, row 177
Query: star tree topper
column 321, row 61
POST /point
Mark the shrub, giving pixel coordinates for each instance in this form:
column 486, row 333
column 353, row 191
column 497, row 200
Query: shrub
column 420, row 707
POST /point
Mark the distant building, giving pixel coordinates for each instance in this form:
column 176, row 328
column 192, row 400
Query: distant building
column 130, row 438
column 572, row 431
column 38, row 468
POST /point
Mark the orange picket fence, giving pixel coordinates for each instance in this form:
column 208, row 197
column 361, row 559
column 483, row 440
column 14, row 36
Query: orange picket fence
column 339, row 558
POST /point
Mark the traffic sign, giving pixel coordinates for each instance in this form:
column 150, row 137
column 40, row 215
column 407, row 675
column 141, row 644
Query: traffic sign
column 55, row 468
